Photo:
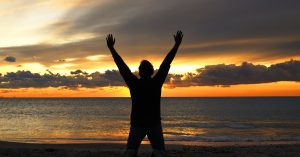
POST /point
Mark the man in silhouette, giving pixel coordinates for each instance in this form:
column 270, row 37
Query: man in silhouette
column 145, row 96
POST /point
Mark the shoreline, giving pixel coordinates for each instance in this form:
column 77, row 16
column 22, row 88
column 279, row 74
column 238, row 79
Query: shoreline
column 15, row 149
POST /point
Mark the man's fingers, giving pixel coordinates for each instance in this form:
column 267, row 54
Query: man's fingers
column 178, row 34
column 108, row 37
column 110, row 40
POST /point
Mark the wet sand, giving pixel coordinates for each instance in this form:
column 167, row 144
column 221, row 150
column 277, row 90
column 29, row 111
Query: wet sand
column 12, row 149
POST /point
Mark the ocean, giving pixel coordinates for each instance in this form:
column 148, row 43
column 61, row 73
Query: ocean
column 90, row 120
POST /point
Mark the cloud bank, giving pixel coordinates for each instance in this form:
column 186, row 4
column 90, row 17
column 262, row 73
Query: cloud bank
column 246, row 73
column 212, row 75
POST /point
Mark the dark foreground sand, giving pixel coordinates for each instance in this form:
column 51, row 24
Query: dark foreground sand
column 10, row 149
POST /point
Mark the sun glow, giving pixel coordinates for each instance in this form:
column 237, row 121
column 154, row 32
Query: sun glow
column 62, row 66
column 97, row 57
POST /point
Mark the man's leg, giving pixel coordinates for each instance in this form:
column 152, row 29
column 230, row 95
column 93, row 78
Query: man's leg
column 136, row 135
column 155, row 136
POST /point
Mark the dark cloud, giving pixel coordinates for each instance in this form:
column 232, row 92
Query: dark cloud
column 10, row 59
column 78, row 72
column 246, row 73
column 206, row 18
column 212, row 75
column 26, row 79
column 201, row 20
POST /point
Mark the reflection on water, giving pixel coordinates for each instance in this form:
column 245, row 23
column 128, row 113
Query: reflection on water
column 184, row 119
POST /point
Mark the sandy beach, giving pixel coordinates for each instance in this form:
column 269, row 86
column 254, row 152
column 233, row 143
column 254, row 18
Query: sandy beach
column 11, row 149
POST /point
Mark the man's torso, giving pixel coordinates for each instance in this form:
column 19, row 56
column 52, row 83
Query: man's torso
column 145, row 96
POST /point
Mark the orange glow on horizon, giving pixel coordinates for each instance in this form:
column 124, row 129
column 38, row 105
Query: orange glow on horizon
column 264, row 89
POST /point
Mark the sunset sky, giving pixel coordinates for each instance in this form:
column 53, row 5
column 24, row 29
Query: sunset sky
column 57, row 48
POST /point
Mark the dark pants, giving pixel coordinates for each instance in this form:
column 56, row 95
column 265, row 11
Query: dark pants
column 154, row 134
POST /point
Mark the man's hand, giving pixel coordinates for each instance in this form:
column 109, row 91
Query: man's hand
column 110, row 40
column 178, row 37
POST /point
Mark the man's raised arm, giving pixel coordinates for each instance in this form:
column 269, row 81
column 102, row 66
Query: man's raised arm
column 169, row 58
column 165, row 65
column 123, row 68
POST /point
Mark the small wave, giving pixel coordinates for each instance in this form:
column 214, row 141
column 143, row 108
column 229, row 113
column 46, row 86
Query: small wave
column 222, row 138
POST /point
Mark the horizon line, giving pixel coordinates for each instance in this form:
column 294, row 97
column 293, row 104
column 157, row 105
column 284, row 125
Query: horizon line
column 161, row 97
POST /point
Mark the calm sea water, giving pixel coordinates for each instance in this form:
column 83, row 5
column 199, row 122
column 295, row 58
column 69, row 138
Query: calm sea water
column 184, row 119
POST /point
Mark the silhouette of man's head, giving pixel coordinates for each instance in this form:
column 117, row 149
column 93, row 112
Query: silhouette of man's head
column 146, row 69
